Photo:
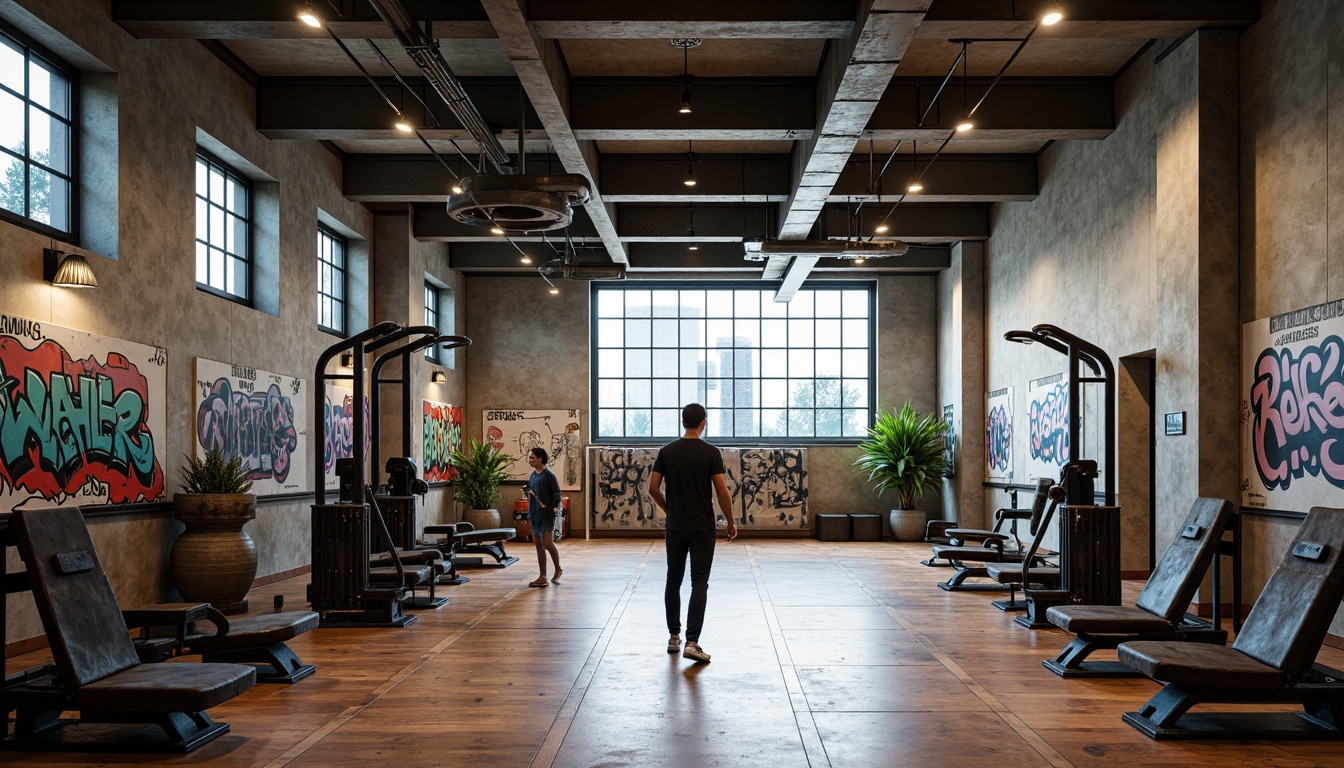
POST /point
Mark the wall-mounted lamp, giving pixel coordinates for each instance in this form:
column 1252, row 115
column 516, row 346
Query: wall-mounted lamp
column 347, row 359
column 439, row 377
column 67, row 270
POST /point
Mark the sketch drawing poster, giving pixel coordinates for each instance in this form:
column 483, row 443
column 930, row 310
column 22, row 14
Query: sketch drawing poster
column 442, row 435
column 1292, row 409
column 999, row 435
column 83, row 419
column 1047, row 426
column 258, row 416
column 950, row 439
column 518, row 432
column 338, row 427
column 767, row 488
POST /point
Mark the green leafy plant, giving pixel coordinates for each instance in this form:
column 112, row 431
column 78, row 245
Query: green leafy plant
column 480, row 470
column 215, row 474
column 904, row 452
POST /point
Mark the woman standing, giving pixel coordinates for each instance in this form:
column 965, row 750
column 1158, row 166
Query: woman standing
column 543, row 504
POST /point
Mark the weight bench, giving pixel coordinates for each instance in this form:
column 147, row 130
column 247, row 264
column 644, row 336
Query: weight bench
column 464, row 538
column 992, row 551
column 947, row 532
column 1043, row 576
column 1272, row 659
column 257, row 640
column 1159, row 613
column 95, row 670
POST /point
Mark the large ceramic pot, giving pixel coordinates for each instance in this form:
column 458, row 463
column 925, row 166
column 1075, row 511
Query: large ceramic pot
column 906, row 524
column 482, row 518
column 214, row 561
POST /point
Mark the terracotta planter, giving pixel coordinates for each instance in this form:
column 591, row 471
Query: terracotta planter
column 906, row 524
column 481, row 519
column 214, row 561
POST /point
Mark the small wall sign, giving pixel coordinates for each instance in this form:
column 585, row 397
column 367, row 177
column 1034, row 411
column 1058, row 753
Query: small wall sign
column 1176, row 423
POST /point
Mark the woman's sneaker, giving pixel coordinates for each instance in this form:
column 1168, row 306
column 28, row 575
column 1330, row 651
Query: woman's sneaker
column 694, row 651
column 674, row 643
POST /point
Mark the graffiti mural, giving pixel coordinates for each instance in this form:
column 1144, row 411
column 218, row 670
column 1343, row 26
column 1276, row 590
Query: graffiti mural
column 999, row 435
column 767, row 488
column 1047, row 426
column 258, row 416
column 518, row 432
column 1293, row 409
column 338, row 420
column 950, row 440
column 621, row 489
column 771, row 487
column 83, row 417
column 442, row 436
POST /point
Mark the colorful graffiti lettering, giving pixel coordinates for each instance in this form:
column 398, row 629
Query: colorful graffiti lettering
column 999, row 439
column 257, row 427
column 339, row 428
column 442, row 436
column 1048, row 426
column 66, row 424
column 1298, row 407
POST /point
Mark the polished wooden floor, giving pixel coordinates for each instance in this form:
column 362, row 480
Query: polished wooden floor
column 841, row 654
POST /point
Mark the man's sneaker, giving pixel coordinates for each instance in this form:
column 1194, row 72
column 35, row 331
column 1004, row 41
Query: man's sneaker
column 674, row 643
column 694, row 651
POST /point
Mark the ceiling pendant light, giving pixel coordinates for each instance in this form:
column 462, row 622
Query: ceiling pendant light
column 685, row 44
column 881, row 227
column 403, row 125
column 690, row 230
column 915, row 186
column 965, row 124
column 526, row 259
column 309, row 16
column 690, row 170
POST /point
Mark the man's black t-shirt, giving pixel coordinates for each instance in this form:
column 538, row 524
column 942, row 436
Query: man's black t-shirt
column 688, row 466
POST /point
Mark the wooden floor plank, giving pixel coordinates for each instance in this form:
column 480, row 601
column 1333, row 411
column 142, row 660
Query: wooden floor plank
column 825, row 654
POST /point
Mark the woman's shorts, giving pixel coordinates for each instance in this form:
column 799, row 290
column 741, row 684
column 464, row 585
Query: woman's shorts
column 541, row 523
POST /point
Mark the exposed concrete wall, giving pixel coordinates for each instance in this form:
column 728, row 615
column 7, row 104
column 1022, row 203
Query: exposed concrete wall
column 167, row 90
column 961, row 376
column 530, row 350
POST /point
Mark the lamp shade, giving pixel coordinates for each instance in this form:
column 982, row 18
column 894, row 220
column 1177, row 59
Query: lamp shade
column 74, row 271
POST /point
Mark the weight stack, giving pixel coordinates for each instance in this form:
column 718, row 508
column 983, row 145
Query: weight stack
column 340, row 556
column 1089, row 545
column 399, row 512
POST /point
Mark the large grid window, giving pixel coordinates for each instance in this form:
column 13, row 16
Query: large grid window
column 223, row 229
column 796, row 372
column 36, row 138
column 432, row 317
column 330, row 281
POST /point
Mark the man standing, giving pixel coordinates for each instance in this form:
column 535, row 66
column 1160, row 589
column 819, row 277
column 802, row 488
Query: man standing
column 693, row 470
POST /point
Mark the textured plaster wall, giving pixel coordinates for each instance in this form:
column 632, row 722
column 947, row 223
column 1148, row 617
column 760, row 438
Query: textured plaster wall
column 167, row 90
column 530, row 350
column 1292, row 192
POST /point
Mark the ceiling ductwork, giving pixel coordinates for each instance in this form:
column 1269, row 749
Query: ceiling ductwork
column 761, row 250
column 568, row 266
column 519, row 203
column 425, row 53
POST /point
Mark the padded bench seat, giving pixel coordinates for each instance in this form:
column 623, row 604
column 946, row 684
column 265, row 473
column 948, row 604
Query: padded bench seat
column 166, row 687
column 261, row 630
column 1011, row 573
column 1199, row 664
column 1107, row 620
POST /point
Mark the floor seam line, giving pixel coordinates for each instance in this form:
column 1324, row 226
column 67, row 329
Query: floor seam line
column 808, row 734
column 549, row 749
column 329, row 727
column 1007, row 716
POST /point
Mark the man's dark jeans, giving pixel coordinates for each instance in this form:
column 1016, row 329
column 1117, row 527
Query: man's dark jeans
column 700, row 546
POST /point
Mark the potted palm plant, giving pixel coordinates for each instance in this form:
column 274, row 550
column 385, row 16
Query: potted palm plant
column 904, row 452
column 480, row 470
column 214, row 561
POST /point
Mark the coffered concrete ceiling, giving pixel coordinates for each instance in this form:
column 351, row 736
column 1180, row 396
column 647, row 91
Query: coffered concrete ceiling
column 809, row 116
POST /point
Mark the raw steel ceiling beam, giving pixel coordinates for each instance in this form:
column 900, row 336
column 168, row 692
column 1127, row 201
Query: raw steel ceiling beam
column 541, row 70
column 854, row 75
column 741, row 19
column 268, row 19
